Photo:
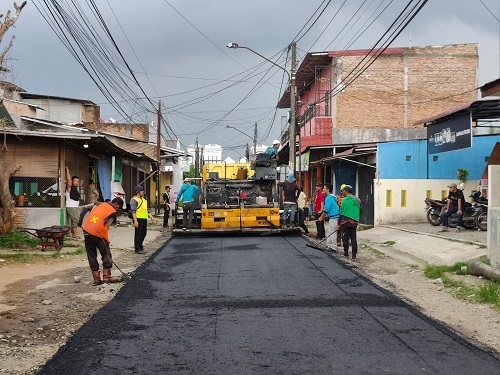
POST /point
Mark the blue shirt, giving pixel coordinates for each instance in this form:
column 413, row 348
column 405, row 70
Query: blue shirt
column 331, row 207
column 271, row 151
column 187, row 193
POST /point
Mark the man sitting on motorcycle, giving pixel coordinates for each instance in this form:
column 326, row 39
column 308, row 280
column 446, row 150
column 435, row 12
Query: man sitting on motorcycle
column 455, row 203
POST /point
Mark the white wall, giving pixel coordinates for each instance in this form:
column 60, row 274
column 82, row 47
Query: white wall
column 415, row 197
column 494, row 215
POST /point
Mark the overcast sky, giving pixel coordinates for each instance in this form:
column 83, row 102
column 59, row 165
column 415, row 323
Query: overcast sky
column 176, row 46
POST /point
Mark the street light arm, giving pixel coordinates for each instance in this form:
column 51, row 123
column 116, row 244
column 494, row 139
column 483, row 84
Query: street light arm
column 236, row 45
column 232, row 127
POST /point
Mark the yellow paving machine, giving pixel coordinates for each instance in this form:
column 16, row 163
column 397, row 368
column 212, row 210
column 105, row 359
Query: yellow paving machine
column 237, row 198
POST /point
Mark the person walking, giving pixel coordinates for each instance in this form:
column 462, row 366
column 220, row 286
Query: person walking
column 319, row 203
column 166, row 206
column 455, row 203
column 350, row 211
column 93, row 193
column 96, row 236
column 290, row 194
column 72, row 202
column 331, row 215
column 140, row 214
column 302, row 205
column 187, row 194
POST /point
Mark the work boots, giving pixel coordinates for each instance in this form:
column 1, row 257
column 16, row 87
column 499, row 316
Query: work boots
column 97, row 278
column 107, row 278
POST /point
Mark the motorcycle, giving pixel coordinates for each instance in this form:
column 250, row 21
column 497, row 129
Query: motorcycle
column 433, row 210
column 481, row 204
column 474, row 215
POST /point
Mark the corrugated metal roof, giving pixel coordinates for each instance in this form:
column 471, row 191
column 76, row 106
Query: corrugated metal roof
column 482, row 109
column 26, row 95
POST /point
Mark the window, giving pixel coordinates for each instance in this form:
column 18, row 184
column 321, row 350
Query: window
column 435, row 158
column 37, row 191
column 388, row 198
column 403, row 198
column 408, row 157
column 428, row 194
column 444, row 194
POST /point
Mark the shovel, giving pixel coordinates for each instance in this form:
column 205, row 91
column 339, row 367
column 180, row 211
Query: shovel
column 317, row 247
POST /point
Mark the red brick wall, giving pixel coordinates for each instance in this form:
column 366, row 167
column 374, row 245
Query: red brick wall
column 135, row 131
column 438, row 78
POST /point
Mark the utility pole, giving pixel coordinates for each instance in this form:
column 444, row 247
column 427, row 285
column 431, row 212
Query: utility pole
column 255, row 141
column 196, row 159
column 158, row 159
column 293, row 94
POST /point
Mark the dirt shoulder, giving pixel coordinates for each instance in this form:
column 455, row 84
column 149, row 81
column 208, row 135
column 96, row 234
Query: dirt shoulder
column 404, row 276
column 41, row 306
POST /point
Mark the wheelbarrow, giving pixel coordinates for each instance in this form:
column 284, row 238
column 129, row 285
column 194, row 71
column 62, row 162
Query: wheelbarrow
column 49, row 236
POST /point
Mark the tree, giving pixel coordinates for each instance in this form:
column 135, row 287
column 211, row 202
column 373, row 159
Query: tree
column 7, row 171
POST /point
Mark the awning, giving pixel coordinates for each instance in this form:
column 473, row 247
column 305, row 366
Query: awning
column 482, row 109
column 351, row 153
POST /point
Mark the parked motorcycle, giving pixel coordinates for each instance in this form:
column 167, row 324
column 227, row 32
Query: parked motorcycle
column 433, row 210
column 474, row 215
column 481, row 204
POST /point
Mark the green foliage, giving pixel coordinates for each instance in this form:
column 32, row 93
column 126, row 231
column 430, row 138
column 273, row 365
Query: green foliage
column 390, row 243
column 371, row 249
column 191, row 173
column 23, row 257
column 486, row 293
column 462, row 175
column 18, row 240
column 489, row 293
column 435, row 272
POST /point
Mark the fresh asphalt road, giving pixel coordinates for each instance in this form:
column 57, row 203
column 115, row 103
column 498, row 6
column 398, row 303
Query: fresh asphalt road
column 260, row 305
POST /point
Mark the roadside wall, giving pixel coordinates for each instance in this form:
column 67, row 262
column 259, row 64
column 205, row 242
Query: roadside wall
column 494, row 215
column 391, row 206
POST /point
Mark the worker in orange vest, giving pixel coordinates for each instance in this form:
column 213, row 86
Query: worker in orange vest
column 95, row 230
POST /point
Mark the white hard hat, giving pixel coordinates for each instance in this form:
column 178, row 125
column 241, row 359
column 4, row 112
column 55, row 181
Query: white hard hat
column 276, row 142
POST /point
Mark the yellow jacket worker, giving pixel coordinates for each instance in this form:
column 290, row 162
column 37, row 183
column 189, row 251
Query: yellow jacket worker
column 140, row 214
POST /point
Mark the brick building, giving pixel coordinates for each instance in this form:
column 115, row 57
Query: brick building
column 344, row 110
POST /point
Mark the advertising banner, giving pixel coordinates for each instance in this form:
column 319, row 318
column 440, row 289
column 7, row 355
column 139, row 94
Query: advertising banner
column 450, row 135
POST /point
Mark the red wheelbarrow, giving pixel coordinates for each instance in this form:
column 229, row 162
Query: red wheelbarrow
column 49, row 236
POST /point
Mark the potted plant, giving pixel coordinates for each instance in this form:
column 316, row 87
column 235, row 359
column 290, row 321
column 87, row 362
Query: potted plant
column 462, row 175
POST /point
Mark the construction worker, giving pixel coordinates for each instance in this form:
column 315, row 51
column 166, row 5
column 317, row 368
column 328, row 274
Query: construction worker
column 273, row 150
column 95, row 230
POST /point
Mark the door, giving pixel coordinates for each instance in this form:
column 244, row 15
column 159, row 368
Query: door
column 366, row 176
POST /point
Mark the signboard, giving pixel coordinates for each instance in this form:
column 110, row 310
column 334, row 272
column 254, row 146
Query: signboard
column 304, row 160
column 450, row 135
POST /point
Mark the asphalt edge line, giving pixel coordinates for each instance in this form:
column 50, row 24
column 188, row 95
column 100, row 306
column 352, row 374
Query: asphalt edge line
column 476, row 243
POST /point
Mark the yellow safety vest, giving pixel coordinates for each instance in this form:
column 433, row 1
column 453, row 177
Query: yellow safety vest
column 142, row 208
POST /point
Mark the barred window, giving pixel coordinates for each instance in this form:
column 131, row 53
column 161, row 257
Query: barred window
column 35, row 191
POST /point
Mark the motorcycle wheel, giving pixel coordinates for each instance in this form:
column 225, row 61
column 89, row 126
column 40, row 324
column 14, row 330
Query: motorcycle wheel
column 433, row 217
column 482, row 221
column 469, row 224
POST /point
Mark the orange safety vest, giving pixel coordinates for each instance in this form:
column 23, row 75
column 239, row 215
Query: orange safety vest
column 96, row 221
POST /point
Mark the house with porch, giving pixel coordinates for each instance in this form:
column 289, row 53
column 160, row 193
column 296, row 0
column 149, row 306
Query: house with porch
column 116, row 159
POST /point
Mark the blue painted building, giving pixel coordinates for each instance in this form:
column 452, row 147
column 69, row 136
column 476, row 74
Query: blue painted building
column 409, row 160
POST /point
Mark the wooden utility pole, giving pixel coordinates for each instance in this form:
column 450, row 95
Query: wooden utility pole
column 255, row 141
column 158, row 159
column 293, row 101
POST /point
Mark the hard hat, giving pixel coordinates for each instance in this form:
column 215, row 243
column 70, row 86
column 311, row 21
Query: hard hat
column 276, row 142
column 342, row 186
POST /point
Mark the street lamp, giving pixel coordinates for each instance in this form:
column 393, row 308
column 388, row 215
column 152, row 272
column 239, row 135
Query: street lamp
column 293, row 90
column 236, row 45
